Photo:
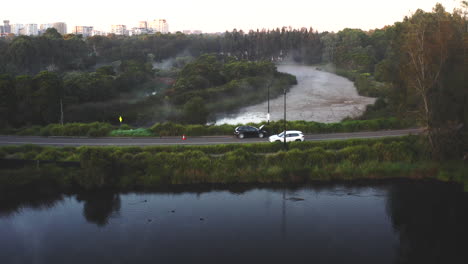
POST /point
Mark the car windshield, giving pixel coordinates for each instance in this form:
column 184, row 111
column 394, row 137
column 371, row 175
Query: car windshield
column 281, row 135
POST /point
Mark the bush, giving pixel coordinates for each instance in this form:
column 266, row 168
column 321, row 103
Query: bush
column 95, row 129
column 139, row 132
column 98, row 168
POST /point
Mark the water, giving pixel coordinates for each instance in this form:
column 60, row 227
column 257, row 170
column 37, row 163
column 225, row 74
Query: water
column 319, row 96
column 399, row 222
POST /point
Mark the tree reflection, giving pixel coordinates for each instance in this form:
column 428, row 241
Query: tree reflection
column 100, row 207
column 432, row 221
column 11, row 202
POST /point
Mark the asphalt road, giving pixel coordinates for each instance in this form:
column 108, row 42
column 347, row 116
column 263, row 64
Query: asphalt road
column 211, row 140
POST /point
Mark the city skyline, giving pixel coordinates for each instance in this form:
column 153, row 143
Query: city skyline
column 210, row 16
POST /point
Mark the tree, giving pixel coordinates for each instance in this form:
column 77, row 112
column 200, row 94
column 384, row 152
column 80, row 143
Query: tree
column 7, row 101
column 47, row 96
column 194, row 111
column 52, row 33
column 431, row 42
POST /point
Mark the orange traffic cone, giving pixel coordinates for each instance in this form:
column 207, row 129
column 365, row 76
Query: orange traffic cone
column 183, row 137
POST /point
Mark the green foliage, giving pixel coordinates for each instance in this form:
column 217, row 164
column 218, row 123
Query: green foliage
column 130, row 167
column 172, row 129
column 95, row 129
column 225, row 83
column 139, row 132
column 194, row 111
column 98, row 167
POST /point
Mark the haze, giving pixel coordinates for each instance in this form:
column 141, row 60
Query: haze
column 219, row 16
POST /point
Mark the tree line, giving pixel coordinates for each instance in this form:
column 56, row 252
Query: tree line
column 51, row 51
column 422, row 60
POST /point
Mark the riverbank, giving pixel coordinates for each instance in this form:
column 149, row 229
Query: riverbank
column 366, row 84
column 149, row 167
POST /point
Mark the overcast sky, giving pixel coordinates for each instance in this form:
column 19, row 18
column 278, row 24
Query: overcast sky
column 219, row 15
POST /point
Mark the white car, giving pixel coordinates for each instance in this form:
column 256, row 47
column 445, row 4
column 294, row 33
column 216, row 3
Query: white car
column 291, row 135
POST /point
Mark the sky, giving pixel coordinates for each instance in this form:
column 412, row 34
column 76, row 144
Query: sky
column 218, row 15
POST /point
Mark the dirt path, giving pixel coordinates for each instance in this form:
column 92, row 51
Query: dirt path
column 318, row 96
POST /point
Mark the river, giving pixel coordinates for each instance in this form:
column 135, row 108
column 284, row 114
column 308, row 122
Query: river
column 391, row 222
column 319, row 96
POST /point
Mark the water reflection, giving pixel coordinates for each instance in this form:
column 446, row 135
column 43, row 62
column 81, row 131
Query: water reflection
column 100, row 206
column 393, row 222
column 432, row 221
column 12, row 202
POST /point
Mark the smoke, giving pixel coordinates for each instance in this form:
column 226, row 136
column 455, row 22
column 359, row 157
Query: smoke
column 179, row 61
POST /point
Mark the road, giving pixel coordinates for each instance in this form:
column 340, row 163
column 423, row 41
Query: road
column 209, row 140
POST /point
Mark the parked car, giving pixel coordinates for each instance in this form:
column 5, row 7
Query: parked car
column 291, row 135
column 250, row 131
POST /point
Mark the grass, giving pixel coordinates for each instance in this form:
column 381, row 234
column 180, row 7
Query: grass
column 148, row 167
column 139, row 132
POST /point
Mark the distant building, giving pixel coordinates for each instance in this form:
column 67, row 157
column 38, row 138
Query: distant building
column 138, row 31
column 2, row 30
column 16, row 28
column 61, row 27
column 44, row 27
column 83, row 30
column 159, row 25
column 98, row 33
column 195, row 32
column 143, row 25
column 119, row 29
column 6, row 26
column 31, row 30
column 22, row 31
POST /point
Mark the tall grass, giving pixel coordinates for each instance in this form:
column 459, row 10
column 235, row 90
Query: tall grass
column 98, row 129
column 132, row 167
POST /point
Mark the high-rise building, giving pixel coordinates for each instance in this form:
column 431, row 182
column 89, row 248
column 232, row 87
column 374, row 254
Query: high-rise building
column 159, row 25
column 143, row 25
column 2, row 30
column 138, row 31
column 119, row 29
column 44, row 27
column 16, row 28
column 61, row 27
column 83, row 30
column 6, row 26
column 98, row 33
column 31, row 30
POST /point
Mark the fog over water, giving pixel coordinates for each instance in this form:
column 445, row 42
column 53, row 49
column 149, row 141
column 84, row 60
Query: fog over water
column 319, row 96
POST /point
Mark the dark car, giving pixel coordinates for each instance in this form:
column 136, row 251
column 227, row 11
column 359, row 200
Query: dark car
column 250, row 131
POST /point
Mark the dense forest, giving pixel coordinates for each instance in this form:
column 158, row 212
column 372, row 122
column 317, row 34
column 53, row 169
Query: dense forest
column 419, row 64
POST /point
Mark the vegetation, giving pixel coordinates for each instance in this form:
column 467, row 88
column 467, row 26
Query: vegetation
column 415, row 68
column 421, row 63
column 173, row 129
column 134, row 90
column 133, row 167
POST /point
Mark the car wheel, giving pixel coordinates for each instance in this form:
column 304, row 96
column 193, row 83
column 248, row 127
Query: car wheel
column 298, row 140
column 241, row 135
column 260, row 135
column 278, row 141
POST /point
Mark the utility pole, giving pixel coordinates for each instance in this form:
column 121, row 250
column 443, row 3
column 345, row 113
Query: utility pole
column 285, row 146
column 61, row 112
column 268, row 114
